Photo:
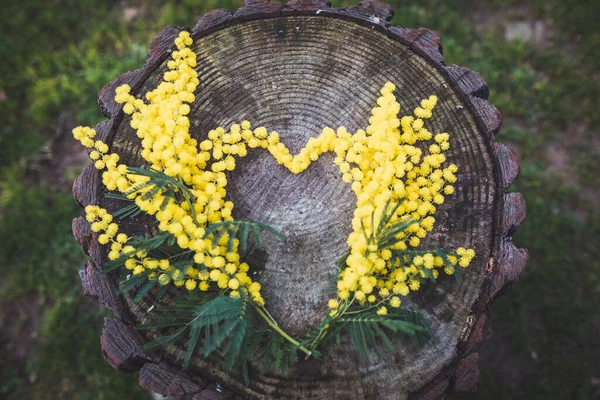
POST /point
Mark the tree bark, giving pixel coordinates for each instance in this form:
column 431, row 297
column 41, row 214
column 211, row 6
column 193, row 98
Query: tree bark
column 297, row 68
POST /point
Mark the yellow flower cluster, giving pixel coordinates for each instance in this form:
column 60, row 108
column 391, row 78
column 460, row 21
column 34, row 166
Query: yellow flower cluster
column 99, row 149
column 162, row 124
column 102, row 221
column 383, row 166
column 381, row 163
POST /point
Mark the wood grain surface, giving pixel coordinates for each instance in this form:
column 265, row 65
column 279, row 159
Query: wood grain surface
column 297, row 68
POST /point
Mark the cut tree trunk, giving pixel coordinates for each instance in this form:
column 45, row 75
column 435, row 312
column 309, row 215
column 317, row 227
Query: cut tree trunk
column 297, row 68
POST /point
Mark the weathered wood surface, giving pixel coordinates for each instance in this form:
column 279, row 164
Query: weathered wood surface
column 296, row 68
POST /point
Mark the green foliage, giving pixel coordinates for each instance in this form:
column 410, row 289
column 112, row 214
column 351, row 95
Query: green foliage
column 163, row 244
column 368, row 330
column 385, row 236
column 144, row 290
column 38, row 251
column 222, row 321
column 53, row 94
column 228, row 325
column 240, row 229
column 161, row 184
column 70, row 364
column 131, row 282
column 278, row 353
column 130, row 211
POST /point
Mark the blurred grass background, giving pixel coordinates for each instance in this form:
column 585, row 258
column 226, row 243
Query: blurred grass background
column 540, row 59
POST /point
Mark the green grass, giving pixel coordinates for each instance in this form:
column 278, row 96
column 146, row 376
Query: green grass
column 37, row 247
column 40, row 264
column 544, row 342
column 61, row 52
column 60, row 55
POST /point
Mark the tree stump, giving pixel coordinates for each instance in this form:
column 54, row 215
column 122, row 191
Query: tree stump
column 297, row 68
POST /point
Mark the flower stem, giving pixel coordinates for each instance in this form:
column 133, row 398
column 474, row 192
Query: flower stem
column 274, row 325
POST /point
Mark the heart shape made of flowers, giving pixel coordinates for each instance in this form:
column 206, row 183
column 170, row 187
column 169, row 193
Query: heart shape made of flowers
column 184, row 187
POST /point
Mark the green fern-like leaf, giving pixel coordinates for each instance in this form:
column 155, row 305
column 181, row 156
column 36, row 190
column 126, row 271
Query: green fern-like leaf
column 239, row 229
column 384, row 235
column 161, row 246
column 162, row 340
column 341, row 262
column 273, row 353
column 221, row 321
column 147, row 244
column 164, row 184
column 132, row 281
column 161, row 292
column 144, row 290
column 234, row 350
column 191, row 345
column 389, row 236
column 277, row 353
column 387, row 215
column 129, row 211
column 367, row 329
